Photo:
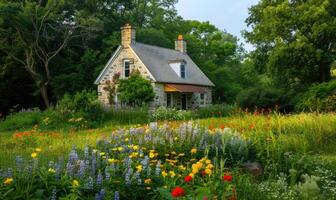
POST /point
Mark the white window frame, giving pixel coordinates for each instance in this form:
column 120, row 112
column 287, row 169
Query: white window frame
column 124, row 68
column 203, row 100
column 185, row 70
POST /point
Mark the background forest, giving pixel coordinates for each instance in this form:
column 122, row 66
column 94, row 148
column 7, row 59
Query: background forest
column 51, row 48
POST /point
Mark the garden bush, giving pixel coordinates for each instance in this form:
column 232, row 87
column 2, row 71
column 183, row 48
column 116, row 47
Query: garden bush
column 320, row 98
column 24, row 119
column 260, row 97
column 163, row 113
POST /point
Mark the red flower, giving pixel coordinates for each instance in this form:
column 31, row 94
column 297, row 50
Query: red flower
column 222, row 126
column 177, row 192
column 203, row 173
column 227, row 178
column 187, row 179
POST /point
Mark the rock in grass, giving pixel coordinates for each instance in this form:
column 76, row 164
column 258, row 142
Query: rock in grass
column 255, row 168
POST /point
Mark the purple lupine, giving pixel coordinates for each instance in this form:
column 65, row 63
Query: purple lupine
column 158, row 168
column 99, row 179
column 54, row 194
column 93, row 167
column 81, row 170
column 128, row 176
column 69, row 169
column 137, row 177
column 89, row 183
column 73, row 156
column 116, row 195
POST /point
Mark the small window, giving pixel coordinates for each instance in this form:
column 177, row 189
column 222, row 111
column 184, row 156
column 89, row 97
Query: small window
column 126, row 68
column 169, row 99
column 183, row 70
column 202, row 98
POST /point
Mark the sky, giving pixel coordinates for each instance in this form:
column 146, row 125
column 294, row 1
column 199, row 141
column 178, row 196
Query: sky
column 227, row 15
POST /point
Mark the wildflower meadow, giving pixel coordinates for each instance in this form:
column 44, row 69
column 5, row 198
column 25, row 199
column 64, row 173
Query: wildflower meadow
column 249, row 156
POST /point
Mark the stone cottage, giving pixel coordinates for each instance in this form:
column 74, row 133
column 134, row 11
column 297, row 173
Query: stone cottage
column 177, row 80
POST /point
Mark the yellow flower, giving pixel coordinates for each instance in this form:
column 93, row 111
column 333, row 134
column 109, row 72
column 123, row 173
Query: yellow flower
column 192, row 175
column 148, row 188
column 181, row 154
column 209, row 166
column 195, row 171
column 8, row 181
column 172, row 174
column 51, row 170
column 176, row 138
column 120, row 148
column 112, row 160
column 166, row 154
column 139, row 168
column 164, row 173
column 181, row 167
column 38, row 149
column 165, row 186
column 193, row 151
column 173, row 153
column 208, row 171
column 151, row 155
column 115, row 149
column 33, row 155
column 126, row 139
column 75, row 183
column 102, row 154
column 135, row 147
column 207, row 161
column 148, row 181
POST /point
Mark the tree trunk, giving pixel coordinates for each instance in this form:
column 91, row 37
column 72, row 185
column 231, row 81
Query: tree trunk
column 44, row 93
column 325, row 74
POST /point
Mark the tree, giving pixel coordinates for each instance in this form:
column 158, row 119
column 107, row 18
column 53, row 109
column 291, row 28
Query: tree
column 295, row 40
column 135, row 90
column 33, row 34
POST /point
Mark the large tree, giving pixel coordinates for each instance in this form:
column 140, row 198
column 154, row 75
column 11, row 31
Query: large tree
column 33, row 34
column 295, row 40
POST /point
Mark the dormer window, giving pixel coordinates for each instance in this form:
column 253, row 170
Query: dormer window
column 126, row 68
column 183, row 71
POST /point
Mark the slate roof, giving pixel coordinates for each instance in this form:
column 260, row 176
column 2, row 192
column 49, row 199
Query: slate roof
column 157, row 60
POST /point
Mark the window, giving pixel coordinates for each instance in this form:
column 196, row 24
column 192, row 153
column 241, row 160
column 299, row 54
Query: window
column 169, row 99
column 182, row 70
column 126, row 68
column 202, row 99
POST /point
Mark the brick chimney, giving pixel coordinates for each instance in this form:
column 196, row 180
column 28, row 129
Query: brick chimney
column 127, row 35
column 181, row 44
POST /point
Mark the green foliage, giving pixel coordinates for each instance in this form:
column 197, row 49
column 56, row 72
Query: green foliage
column 260, row 97
column 24, row 119
column 319, row 97
column 135, row 90
column 83, row 104
column 163, row 113
column 294, row 39
column 216, row 110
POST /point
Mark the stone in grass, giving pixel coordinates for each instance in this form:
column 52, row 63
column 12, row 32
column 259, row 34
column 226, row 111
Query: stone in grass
column 255, row 168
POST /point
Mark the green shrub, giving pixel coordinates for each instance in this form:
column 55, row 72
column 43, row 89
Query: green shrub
column 24, row 119
column 218, row 110
column 135, row 90
column 163, row 113
column 320, row 97
column 83, row 104
column 260, row 97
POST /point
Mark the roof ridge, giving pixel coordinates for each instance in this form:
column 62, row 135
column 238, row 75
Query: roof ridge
column 161, row 47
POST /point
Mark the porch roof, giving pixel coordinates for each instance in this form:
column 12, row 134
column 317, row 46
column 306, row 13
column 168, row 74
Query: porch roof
column 184, row 88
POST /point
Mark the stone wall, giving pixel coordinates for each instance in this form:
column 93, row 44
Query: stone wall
column 116, row 67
